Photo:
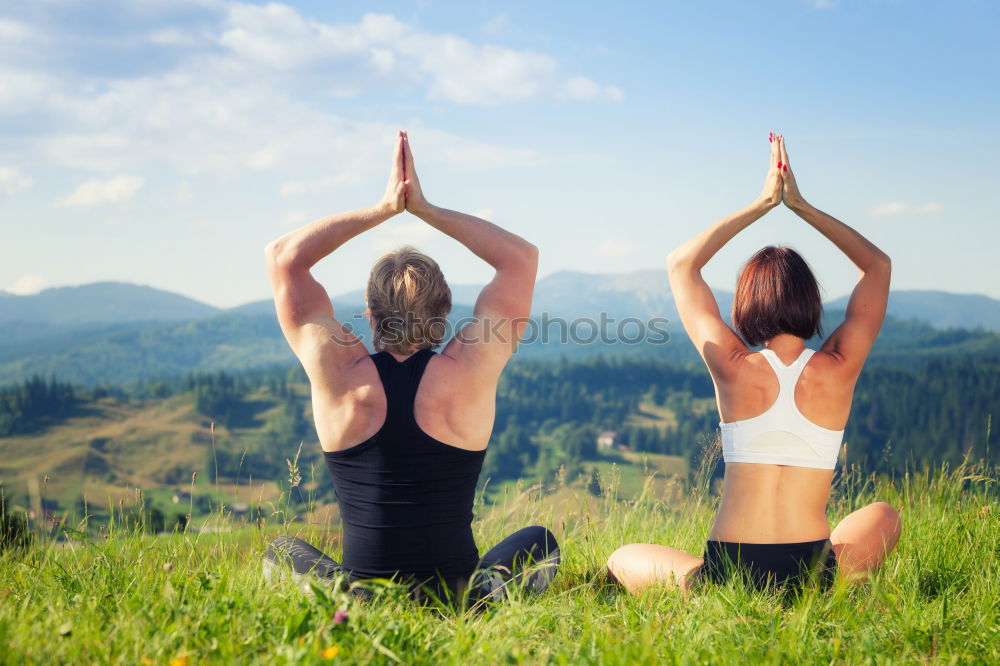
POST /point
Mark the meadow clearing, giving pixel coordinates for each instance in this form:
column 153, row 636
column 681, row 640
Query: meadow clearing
column 115, row 595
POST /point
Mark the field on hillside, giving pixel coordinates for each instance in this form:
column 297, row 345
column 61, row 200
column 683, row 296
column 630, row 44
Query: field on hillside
column 104, row 453
column 123, row 598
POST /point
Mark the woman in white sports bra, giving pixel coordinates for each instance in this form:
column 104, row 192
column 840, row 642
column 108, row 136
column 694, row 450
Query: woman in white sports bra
column 783, row 409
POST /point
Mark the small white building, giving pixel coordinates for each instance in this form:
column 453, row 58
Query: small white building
column 607, row 440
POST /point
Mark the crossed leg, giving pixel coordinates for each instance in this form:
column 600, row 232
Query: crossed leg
column 861, row 542
column 291, row 556
column 639, row 565
column 528, row 558
column 864, row 538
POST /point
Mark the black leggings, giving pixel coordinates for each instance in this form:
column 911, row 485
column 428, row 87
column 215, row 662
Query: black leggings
column 528, row 558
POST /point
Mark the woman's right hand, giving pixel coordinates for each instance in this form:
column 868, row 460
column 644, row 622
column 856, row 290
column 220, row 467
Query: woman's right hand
column 415, row 201
column 772, row 192
column 790, row 193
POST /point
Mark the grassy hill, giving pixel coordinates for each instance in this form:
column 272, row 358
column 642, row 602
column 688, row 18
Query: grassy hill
column 121, row 597
column 112, row 448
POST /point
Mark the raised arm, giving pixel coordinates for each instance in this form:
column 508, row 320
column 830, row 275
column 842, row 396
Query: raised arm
column 303, row 306
column 504, row 305
column 699, row 312
column 853, row 339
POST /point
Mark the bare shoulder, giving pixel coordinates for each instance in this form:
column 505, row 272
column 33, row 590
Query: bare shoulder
column 456, row 401
column 349, row 404
column 461, row 374
column 334, row 374
column 734, row 364
column 832, row 366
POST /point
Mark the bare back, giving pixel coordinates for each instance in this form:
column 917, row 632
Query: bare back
column 778, row 503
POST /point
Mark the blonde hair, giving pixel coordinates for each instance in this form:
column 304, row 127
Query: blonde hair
column 408, row 300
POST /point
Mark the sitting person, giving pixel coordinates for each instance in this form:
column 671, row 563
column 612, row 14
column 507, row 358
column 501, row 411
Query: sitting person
column 404, row 431
column 783, row 409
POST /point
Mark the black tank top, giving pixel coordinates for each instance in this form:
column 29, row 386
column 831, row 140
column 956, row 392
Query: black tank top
column 405, row 497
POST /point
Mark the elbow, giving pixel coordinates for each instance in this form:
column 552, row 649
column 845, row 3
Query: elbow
column 531, row 253
column 527, row 255
column 271, row 251
column 881, row 264
column 277, row 254
column 676, row 260
column 886, row 263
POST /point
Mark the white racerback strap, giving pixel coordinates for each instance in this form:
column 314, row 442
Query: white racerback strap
column 788, row 375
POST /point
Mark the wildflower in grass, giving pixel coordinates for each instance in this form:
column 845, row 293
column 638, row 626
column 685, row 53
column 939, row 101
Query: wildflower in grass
column 167, row 566
column 340, row 617
column 181, row 661
column 294, row 478
column 330, row 652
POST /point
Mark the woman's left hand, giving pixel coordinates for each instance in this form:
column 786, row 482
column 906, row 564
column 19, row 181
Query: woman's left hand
column 790, row 190
column 772, row 192
column 394, row 199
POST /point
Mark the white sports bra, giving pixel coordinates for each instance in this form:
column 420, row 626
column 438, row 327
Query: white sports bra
column 782, row 435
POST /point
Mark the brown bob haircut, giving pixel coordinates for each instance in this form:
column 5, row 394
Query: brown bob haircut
column 776, row 293
column 408, row 300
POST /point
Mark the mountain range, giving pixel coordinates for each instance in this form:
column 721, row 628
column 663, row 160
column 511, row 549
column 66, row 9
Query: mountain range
column 112, row 332
column 568, row 294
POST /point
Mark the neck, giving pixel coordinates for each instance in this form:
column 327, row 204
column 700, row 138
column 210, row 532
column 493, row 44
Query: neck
column 785, row 343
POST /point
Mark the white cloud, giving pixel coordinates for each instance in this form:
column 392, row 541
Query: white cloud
column 27, row 285
column 616, row 249
column 580, row 88
column 12, row 180
column 823, row 4
column 894, row 208
column 484, row 213
column 16, row 32
column 381, row 51
column 229, row 98
column 96, row 192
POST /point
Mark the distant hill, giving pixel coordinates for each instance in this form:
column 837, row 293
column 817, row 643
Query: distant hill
column 570, row 294
column 100, row 303
column 642, row 293
column 941, row 309
column 113, row 333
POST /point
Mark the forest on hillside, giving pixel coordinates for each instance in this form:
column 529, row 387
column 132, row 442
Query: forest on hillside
column 550, row 414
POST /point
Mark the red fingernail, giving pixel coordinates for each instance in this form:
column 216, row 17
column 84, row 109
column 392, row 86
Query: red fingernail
column 779, row 164
column 784, row 168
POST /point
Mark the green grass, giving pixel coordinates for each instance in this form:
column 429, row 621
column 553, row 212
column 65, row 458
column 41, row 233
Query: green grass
column 131, row 599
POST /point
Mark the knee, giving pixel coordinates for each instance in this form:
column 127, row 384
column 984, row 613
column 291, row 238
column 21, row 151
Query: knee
column 618, row 560
column 542, row 538
column 888, row 516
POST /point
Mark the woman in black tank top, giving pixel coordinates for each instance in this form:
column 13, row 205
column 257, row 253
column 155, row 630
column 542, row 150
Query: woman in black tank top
column 406, row 504
column 406, row 498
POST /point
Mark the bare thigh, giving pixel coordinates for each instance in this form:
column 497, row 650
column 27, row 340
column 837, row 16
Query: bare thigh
column 639, row 565
column 863, row 539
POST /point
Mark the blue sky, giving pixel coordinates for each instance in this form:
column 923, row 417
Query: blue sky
column 164, row 142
